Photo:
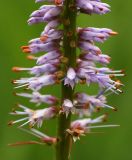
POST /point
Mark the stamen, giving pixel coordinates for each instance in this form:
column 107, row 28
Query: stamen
column 30, row 57
column 16, row 69
column 113, row 33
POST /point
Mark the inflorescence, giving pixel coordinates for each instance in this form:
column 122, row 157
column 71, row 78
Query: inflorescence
column 49, row 71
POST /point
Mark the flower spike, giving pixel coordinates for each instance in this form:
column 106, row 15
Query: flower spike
column 59, row 63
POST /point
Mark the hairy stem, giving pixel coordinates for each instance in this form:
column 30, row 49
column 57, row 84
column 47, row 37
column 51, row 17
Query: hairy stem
column 69, row 46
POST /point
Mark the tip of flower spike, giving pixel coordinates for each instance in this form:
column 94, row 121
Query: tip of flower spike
column 16, row 69
column 26, row 49
column 44, row 38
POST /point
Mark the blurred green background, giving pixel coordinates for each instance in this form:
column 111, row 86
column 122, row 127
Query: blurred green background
column 115, row 143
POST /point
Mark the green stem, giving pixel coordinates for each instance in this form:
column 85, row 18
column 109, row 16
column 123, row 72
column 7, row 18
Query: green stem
column 63, row 147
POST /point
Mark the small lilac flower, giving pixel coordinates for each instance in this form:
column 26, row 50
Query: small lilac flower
column 42, row 47
column 68, row 107
column 45, row 14
column 38, row 70
column 51, row 34
column 36, row 83
column 91, row 103
column 95, row 34
column 52, row 24
column 49, row 57
column 88, row 46
column 84, row 63
column 82, row 126
column 34, row 116
column 102, row 76
column 101, row 58
column 38, row 98
column 84, row 123
column 92, row 6
column 42, row 10
column 52, row 14
column 42, row 136
column 70, row 78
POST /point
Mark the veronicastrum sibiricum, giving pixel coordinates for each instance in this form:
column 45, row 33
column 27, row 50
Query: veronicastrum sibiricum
column 59, row 63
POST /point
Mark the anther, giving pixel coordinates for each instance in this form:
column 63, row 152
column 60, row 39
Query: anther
column 10, row 123
column 16, row 69
column 105, row 117
column 26, row 49
column 115, row 109
column 113, row 33
column 30, row 57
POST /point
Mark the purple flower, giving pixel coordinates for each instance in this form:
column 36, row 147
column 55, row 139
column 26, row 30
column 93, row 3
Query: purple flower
column 42, row 47
column 95, row 34
column 89, row 46
column 53, row 67
column 46, row 13
column 68, row 107
column 71, row 78
column 50, row 57
column 51, row 34
column 92, row 6
column 34, row 116
column 38, row 70
column 91, row 103
column 101, row 58
column 38, row 98
column 36, row 83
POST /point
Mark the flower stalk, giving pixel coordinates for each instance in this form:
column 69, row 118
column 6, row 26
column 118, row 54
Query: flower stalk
column 63, row 146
